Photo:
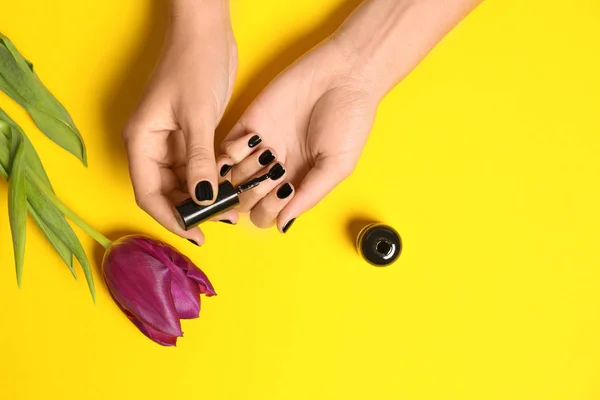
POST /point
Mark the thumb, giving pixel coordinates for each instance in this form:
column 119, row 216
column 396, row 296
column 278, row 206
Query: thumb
column 318, row 182
column 201, row 169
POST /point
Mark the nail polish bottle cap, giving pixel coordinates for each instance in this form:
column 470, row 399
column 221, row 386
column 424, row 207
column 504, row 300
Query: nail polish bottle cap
column 379, row 244
column 189, row 214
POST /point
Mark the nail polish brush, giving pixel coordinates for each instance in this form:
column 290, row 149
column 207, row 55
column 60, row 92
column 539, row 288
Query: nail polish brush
column 189, row 214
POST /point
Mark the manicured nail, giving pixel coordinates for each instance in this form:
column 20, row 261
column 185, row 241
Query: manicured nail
column 193, row 242
column 254, row 141
column 276, row 172
column 284, row 191
column 204, row 191
column 287, row 226
column 266, row 158
column 225, row 169
column 226, row 221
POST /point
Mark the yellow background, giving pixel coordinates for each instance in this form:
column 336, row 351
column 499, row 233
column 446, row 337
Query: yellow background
column 486, row 159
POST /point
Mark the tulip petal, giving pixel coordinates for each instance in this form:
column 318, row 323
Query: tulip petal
column 152, row 334
column 156, row 336
column 141, row 284
column 201, row 279
column 186, row 295
column 191, row 270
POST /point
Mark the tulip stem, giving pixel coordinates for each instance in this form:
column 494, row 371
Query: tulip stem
column 87, row 228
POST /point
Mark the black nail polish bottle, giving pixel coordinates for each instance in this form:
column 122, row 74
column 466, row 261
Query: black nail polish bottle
column 380, row 245
column 190, row 214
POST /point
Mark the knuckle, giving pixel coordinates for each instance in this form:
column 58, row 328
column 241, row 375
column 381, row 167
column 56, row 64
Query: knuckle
column 243, row 208
column 260, row 222
column 144, row 200
column 345, row 170
column 127, row 132
column 141, row 202
column 198, row 153
column 226, row 147
column 131, row 136
column 201, row 121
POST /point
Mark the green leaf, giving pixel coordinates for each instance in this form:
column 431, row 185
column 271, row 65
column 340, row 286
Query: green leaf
column 16, row 141
column 17, row 204
column 19, row 82
column 3, row 172
column 54, row 219
column 4, row 127
column 34, row 163
column 4, row 138
column 31, row 156
column 61, row 248
column 48, row 218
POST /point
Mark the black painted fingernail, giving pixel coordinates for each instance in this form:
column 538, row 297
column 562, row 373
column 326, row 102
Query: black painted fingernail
column 226, row 221
column 284, row 191
column 204, row 191
column 193, row 242
column 266, row 158
column 254, row 141
column 276, row 172
column 225, row 169
column 287, row 226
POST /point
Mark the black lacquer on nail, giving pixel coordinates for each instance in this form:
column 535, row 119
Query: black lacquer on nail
column 284, row 191
column 276, row 172
column 254, row 141
column 193, row 242
column 288, row 225
column 266, row 157
column 226, row 221
column 204, row 191
column 225, row 169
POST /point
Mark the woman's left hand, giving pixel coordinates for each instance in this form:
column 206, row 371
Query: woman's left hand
column 314, row 119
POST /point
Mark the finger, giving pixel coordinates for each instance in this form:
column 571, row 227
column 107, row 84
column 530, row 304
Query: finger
column 241, row 148
column 250, row 166
column 264, row 214
column 224, row 166
column 161, row 209
column 201, row 167
column 147, row 181
column 250, row 198
column 229, row 217
column 317, row 183
column 238, row 130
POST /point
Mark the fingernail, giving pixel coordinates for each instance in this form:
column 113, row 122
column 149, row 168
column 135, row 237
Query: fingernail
column 225, row 169
column 287, row 226
column 204, row 191
column 226, row 221
column 193, row 242
column 266, row 157
column 254, row 141
column 276, row 172
column 284, row 191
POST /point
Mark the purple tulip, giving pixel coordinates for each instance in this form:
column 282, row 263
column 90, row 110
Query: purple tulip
column 155, row 285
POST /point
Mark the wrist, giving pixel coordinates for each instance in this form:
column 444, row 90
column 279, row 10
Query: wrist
column 366, row 38
column 384, row 40
column 199, row 14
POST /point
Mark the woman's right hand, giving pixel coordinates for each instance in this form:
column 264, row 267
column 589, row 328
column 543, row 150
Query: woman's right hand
column 170, row 136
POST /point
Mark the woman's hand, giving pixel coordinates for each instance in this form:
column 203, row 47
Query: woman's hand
column 170, row 136
column 316, row 116
column 314, row 119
